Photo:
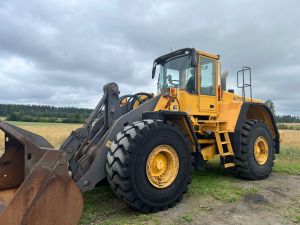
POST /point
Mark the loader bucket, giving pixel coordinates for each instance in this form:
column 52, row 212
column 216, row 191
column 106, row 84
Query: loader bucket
column 35, row 187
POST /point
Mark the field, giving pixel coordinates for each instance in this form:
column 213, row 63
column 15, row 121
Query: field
column 289, row 126
column 289, row 158
column 293, row 125
column 55, row 133
column 214, row 197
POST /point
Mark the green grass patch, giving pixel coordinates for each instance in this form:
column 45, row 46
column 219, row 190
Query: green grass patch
column 187, row 217
column 96, row 204
column 215, row 182
column 101, row 206
column 294, row 214
column 296, row 219
column 288, row 161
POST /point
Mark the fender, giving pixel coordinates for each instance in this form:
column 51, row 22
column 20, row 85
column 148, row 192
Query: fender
column 258, row 111
column 179, row 118
column 182, row 120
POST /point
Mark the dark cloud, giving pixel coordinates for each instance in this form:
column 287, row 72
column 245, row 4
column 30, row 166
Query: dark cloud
column 62, row 52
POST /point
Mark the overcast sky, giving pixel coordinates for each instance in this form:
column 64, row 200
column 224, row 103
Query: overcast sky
column 62, row 52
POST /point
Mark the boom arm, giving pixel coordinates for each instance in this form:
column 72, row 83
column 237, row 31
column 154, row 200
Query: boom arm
column 107, row 110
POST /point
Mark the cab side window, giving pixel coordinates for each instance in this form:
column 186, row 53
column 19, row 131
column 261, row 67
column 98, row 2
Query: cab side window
column 207, row 77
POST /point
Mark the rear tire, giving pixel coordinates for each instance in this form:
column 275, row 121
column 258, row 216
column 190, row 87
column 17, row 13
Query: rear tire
column 250, row 164
column 127, row 170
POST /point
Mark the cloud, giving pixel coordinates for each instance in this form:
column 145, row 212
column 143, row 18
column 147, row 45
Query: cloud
column 63, row 52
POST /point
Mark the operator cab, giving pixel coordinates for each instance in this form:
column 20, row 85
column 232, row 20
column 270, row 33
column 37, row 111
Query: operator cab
column 194, row 75
column 177, row 70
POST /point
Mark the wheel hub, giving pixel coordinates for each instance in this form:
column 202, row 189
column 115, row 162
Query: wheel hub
column 261, row 150
column 162, row 166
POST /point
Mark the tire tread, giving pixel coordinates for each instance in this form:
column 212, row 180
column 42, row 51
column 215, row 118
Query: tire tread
column 243, row 167
column 119, row 156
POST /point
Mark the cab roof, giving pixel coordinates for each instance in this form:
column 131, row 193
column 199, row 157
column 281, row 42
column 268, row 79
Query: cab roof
column 207, row 54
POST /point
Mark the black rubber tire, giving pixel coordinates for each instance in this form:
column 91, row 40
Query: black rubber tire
column 126, row 165
column 246, row 165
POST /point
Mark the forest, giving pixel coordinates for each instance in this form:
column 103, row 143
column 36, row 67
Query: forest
column 51, row 114
column 43, row 113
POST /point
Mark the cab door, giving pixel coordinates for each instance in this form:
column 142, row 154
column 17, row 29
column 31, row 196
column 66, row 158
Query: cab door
column 208, row 100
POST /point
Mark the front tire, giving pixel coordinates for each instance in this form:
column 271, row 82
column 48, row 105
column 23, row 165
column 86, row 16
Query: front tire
column 149, row 165
column 256, row 157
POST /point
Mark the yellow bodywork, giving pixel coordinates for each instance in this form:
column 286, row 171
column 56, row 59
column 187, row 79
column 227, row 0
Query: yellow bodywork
column 218, row 114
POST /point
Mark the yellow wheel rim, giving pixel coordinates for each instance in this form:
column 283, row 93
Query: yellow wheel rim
column 261, row 150
column 162, row 166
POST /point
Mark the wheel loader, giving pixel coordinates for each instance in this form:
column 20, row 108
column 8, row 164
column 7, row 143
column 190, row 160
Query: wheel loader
column 146, row 146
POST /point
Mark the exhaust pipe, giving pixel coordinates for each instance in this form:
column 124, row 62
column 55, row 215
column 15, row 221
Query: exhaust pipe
column 224, row 76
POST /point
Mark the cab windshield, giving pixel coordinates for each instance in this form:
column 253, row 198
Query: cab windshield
column 177, row 72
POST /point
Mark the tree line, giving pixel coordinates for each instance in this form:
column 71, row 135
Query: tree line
column 287, row 119
column 43, row 113
column 281, row 118
column 52, row 114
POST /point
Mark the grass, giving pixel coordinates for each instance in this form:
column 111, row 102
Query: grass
column 297, row 219
column 187, row 217
column 288, row 161
column 102, row 207
column 217, row 183
column 293, row 214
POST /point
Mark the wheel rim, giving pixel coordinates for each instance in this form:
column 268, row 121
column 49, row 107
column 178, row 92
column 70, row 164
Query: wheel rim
column 261, row 150
column 162, row 166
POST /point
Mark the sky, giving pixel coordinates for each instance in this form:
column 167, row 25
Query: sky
column 62, row 52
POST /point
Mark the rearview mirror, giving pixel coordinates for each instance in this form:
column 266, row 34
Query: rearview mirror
column 154, row 69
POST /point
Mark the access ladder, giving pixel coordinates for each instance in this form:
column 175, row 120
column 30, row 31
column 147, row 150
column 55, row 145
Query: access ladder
column 222, row 138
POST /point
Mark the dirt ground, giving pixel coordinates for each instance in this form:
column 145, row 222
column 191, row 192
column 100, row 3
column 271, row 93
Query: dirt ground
column 276, row 202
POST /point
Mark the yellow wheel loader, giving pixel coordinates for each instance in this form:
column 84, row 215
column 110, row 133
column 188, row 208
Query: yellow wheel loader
column 145, row 146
